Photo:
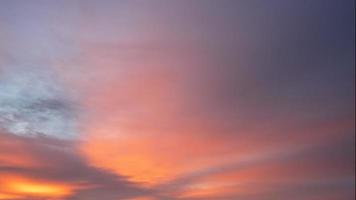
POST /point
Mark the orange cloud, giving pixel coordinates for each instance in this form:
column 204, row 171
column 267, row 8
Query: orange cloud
column 144, row 125
column 56, row 171
column 19, row 186
column 152, row 155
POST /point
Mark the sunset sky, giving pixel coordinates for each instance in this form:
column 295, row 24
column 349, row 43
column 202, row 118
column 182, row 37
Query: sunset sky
column 177, row 100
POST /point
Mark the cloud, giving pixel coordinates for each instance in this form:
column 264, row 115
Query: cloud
column 56, row 164
column 202, row 100
column 299, row 173
column 33, row 102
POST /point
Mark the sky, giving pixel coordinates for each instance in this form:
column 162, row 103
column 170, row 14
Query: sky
column 177, row 100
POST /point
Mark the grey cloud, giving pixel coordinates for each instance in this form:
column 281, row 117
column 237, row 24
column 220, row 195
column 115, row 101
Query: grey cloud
column 32, row 101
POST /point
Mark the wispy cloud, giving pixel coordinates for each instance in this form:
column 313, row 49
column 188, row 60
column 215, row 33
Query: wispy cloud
column 33, row 102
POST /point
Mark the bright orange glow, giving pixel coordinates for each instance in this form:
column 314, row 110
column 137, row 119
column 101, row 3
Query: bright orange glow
column 145, row 159
column 19, row 186
column 134, row 159
column 38, row 189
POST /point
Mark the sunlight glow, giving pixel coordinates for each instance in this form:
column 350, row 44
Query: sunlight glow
column 22, row 186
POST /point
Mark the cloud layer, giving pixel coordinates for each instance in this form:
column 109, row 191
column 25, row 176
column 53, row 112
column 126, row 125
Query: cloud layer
column 186, row 100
